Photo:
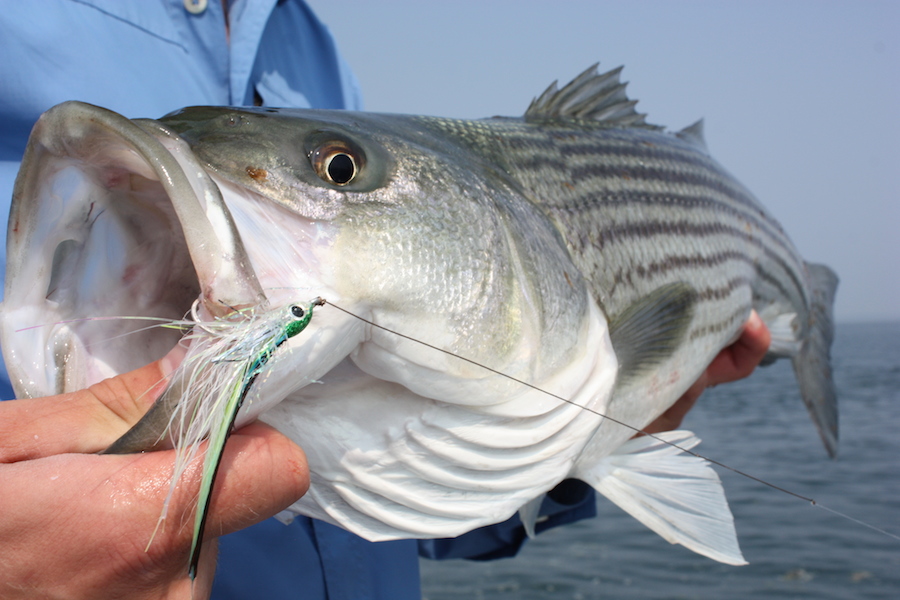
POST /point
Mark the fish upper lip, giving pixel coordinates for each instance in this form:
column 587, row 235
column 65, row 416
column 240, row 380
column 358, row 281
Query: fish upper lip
column 223, row 267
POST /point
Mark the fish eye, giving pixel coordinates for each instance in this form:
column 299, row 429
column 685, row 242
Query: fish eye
column 336, row 162
column 341, row 168
column 297, row 311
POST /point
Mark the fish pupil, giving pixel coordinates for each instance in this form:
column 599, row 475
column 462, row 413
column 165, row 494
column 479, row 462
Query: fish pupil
column 298, row 312
column 341, row 168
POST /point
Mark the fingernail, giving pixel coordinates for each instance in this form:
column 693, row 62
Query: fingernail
column 754, row 321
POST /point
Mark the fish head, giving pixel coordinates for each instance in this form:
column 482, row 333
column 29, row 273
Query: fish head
column 393, row 218
column 425, row 235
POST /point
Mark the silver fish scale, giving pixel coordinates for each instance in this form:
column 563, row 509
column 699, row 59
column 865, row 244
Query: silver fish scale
column 640, row 208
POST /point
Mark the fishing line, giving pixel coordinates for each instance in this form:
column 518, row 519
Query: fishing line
column 173, row 323
column 186, row 324
column 773, row 486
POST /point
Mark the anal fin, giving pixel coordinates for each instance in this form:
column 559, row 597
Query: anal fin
column 677, row 495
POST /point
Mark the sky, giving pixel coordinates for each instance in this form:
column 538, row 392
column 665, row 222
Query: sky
column 800, row 98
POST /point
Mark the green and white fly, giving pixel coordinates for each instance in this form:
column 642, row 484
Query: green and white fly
column 207, row 390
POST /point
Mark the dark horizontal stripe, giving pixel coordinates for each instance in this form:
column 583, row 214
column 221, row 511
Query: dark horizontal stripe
column 715, row 328
column 724, row 291
column 537, row 156
column 674, row 262
column 643, row 152
column 639, row 174
column 756, row 218
column 520, row 137
column 649, row 229
column 653, row 228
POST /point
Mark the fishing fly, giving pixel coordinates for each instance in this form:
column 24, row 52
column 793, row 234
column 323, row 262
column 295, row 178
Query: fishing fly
column 227, row 355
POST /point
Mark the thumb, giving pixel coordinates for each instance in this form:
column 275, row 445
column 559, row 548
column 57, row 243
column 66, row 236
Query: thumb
column 86, row 519
column 83, row 421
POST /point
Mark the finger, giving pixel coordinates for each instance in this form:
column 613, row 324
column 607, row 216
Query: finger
column 243, row 497
column 87, row 519
column 262, row 473
column 674, row 415
column 741, row 358
column 83, row 421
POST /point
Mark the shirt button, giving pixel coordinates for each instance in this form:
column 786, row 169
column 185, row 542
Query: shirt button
column 195, row 7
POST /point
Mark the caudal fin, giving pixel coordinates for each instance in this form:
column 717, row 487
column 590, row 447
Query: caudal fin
column 813, row 363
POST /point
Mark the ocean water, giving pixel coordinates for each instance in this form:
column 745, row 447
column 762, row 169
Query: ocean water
column 795, row 550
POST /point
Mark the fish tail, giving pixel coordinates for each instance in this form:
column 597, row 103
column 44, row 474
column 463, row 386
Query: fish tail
column 812, row 363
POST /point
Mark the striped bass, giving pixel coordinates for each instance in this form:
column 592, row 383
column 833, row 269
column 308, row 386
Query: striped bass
column 595, row 257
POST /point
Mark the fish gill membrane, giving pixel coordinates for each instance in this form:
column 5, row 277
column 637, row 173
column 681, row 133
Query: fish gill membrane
column 586, row 265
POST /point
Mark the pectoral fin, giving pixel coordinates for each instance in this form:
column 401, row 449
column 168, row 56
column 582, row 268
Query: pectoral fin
column 649, row 331
column 677, row 495
column 150, row 432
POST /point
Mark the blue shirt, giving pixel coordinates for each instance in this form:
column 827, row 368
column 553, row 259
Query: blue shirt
column 145, row 59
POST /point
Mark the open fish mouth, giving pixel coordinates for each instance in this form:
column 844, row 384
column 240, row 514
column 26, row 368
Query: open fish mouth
column 115, row 217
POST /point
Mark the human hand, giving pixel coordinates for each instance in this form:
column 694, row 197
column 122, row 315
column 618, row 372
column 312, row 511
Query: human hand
column 734, row 362
column 77, row 525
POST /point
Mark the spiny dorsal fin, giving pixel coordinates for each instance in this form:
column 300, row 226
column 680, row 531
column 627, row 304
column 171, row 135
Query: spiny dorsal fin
column 590, row 96
column 693, row 134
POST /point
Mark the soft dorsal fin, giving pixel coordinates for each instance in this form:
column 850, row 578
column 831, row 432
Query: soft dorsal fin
column 590, row 96
column 693, row 134
column 649, row 331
